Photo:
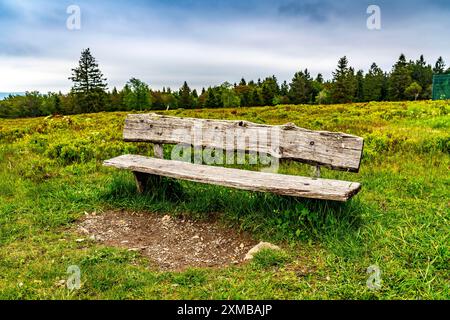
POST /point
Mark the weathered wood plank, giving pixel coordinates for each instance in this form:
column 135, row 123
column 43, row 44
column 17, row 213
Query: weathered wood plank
column 241, row 179
column 337, row 151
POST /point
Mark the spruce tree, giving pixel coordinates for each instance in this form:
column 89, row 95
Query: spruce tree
column 342, row 89
column 243, row 91
column 284, row 89
column 115, row 101
column 255, row 98
column 319, row 78
column 89, row 85
column 211, row 99
column 422, row 73
column 267, row 95
column 301, row 89
column 186, row 100
column 373, row 84
column 399, row 80
column 439, row 67
column 359, row 92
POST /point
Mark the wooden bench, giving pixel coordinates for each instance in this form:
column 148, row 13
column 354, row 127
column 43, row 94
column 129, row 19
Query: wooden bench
column 337, row 151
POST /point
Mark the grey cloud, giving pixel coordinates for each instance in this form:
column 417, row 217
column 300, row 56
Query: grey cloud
column 318, row 11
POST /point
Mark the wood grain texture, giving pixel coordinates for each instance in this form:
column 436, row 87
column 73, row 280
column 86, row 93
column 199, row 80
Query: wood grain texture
column 337, row 151
column 297, row 186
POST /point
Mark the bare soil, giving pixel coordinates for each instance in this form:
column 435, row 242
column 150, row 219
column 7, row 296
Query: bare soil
column 173, row 244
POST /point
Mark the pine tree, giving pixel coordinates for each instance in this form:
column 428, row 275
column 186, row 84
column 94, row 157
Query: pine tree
column 342, row 89
column 373, row 84
column 212, row 99
column 267, row 95
column 115, row 101
column 186, row 100
column 439, row 67
column 89, row 85
column 399, row 80
column 158, row 100
column 243, row 91
column 317, row 87
column 255, row 98
column 301, row 88
column 58, row 103
column 423, row 75
column 359, row 92
column 319, row 78
column 201, row 101
column 284, row 89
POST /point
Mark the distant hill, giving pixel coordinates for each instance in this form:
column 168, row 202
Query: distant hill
column 3, row 95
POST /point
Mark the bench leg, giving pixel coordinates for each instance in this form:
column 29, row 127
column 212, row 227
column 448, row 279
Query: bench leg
column 144, row 180
column 141, row 181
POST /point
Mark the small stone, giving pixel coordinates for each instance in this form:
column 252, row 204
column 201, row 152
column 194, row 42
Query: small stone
column 80, row 240
column 166, row 218
column 258, row 248
column 242, row 246
column 84, row 230
column 195, row 237
column 60, row 283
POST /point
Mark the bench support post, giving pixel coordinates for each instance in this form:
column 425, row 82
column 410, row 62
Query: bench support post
column 141, row 180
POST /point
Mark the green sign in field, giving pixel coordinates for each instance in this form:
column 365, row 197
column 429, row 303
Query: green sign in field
column 441, row 86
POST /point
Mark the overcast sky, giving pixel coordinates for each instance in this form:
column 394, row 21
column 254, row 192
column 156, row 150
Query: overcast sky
column 207, row 42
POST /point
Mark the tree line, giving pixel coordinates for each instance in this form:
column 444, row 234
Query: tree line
column 408, row 80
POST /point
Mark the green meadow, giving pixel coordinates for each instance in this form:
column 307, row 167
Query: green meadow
column 51, row 173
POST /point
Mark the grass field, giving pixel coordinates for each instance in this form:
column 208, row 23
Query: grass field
column 51, row 173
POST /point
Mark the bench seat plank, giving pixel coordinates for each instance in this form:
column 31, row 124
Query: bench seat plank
column 298, row 186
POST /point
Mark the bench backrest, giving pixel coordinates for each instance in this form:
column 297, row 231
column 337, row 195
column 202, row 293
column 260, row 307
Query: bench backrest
column 337, row 151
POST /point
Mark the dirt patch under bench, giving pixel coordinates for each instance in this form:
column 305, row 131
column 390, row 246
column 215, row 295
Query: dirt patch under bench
column 171, row 243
